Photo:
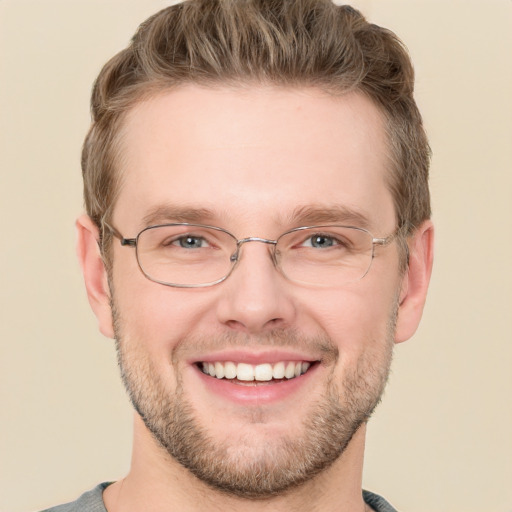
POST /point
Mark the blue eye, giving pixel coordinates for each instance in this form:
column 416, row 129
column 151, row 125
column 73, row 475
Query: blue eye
column 190, row 242
column 320, row 241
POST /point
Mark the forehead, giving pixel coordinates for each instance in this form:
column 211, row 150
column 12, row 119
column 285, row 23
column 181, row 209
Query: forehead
column 253, row 155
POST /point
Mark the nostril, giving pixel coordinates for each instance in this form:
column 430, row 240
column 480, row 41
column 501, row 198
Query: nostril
column 236, row 325
column 246, row 326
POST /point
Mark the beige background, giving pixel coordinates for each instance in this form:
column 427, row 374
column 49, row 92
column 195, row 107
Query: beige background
column 442, row 439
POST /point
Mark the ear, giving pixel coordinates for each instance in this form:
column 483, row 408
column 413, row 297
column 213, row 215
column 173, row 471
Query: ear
column 94, row 272
column 415, row 281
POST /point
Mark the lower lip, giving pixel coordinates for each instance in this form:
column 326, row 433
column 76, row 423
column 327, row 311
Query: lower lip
column 256, row 394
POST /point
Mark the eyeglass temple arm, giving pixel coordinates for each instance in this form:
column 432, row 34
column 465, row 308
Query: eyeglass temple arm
column 388, row 239
column 124, row 241
column 383, row 241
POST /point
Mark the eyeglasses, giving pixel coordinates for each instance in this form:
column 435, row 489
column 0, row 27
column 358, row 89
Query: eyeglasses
column 195, row 255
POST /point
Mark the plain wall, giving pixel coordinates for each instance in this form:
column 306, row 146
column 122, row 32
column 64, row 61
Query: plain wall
column 442, row 439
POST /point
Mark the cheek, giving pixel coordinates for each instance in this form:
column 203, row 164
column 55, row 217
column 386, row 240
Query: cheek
column 354, row 318
column 155, row 316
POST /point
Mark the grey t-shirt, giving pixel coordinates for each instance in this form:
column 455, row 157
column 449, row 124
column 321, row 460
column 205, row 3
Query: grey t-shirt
column 92, row 501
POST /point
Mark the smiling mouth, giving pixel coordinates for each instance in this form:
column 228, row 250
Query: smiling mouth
column 247, row 373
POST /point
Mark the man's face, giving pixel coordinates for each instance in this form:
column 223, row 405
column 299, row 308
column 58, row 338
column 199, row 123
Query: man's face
column 256, row 162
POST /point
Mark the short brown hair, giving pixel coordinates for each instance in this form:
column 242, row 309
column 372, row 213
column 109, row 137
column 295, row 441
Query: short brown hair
column 297, row 43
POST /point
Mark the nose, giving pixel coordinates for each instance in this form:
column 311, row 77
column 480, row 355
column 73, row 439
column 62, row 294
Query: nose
column 256, row 298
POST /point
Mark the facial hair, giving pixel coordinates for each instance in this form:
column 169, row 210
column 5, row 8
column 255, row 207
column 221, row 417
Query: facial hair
column 239, row 467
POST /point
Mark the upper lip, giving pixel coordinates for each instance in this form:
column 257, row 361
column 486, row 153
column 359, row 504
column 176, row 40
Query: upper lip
column 254, row 357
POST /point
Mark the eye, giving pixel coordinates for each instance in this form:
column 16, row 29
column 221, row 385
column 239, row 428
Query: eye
column 187, row 242
column 321, row 241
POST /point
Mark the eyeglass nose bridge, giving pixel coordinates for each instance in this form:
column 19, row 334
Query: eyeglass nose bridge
column 235, row 257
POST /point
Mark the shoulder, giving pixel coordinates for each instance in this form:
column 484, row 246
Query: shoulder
column 90, row 501
column 377, row 503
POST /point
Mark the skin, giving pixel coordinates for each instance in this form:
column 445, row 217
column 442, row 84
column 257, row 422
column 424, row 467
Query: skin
column 251, row 157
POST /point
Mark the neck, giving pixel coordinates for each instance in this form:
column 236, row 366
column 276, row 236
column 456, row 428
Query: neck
column 157, row 483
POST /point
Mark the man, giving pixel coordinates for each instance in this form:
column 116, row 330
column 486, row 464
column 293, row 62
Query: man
column 257, row 239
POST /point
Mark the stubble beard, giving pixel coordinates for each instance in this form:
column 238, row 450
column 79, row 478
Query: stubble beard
column 245, row 470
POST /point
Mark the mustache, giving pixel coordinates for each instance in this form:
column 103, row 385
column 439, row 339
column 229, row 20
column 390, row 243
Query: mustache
column 320, row 345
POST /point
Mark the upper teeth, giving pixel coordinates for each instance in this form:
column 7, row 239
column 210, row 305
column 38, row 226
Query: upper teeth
column 259, row 372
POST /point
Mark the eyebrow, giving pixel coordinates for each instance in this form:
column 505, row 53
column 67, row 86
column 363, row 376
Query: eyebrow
column 169, row 213
column 310, row 215
column 307, row 215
